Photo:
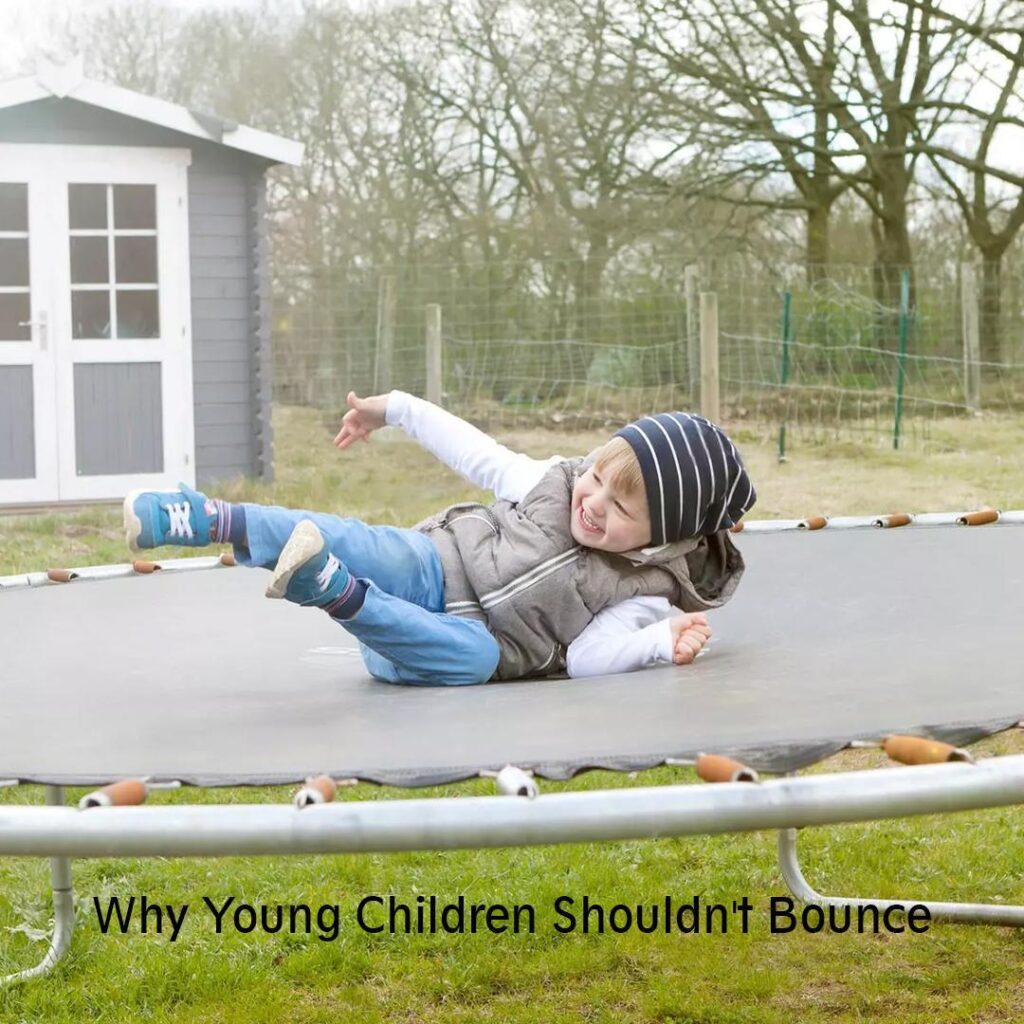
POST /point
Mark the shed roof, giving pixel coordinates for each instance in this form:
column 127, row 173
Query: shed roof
column 68, row 80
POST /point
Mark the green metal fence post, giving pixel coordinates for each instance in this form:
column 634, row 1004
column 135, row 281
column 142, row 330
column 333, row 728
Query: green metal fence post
column 901, row 364
column 787, row 300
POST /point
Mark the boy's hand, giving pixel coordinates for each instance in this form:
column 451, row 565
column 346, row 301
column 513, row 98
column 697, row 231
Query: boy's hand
column 364, row 416
column 690, row 632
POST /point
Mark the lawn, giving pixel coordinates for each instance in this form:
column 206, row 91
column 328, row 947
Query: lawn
column 950, row 973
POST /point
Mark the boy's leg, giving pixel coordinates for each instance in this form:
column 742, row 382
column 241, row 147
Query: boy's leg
column 400, row 562
column 404, row 643
column 414, row 641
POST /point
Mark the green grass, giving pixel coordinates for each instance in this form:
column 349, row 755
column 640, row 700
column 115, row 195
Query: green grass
column 949, row 974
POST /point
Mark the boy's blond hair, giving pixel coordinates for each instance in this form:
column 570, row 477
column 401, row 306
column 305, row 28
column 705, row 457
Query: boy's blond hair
column 616, row 461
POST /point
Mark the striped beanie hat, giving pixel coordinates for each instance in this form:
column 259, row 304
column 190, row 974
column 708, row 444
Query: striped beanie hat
column 695, row 480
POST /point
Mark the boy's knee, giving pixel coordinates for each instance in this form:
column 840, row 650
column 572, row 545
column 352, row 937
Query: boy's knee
column 472, row 675
column 484, row 662
column 476, row 664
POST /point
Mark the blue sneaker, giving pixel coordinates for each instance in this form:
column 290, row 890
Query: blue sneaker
column 307, row 573
column 155, row 518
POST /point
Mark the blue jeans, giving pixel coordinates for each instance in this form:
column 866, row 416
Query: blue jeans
column 403, row 632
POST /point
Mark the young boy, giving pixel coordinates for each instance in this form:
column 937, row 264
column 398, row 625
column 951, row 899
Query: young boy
column 578, row 566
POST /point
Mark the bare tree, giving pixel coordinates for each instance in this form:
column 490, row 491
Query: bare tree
column 843, row 95
column 557, row 125
column 768, row 111
column 977, row 165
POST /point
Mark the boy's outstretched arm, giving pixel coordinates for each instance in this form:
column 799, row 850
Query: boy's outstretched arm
column 458, row 444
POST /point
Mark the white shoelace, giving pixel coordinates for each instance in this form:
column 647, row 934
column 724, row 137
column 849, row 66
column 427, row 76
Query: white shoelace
column 323, row 577
column 181, row 524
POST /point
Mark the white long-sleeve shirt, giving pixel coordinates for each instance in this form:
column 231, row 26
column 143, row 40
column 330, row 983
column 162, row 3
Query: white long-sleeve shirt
column 623, row 637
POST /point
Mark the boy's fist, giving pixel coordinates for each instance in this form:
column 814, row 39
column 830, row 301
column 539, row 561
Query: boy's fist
column 364, row 416
column 690, row 632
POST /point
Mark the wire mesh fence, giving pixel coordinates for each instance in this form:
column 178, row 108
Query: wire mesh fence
column 853, row 355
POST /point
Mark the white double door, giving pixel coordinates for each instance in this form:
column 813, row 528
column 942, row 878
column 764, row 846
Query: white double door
column 95, row 337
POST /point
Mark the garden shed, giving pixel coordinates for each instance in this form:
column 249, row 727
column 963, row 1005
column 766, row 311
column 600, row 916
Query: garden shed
column 134, row 292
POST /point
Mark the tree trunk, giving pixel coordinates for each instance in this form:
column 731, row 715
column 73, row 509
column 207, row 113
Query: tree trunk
column 818, row 242
column 990, row 313
column 893, row 253
column 589, row 282
column 892, row 256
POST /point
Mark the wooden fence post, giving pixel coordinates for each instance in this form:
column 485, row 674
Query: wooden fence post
column 434, row 355
column 971, row 335
column 691, row 284
column 709, row 384
column 387, row 305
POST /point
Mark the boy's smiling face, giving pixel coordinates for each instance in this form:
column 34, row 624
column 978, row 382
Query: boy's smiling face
column 603, row 517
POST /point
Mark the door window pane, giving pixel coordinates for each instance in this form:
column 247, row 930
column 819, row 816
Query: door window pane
column 90, row 314
column 135, row 207
column 87, row 207
column 14, row 309
column 90, row 261
column 138, row 315
column 13, row 262
column 135, row 260
column 122, row 218
column 13, row 206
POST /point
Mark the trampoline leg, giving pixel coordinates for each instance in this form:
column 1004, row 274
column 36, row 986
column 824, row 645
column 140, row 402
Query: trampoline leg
column 63, row 908
column 961, row 913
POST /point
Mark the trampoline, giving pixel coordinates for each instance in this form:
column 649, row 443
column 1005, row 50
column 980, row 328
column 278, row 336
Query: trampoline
column 842, row 633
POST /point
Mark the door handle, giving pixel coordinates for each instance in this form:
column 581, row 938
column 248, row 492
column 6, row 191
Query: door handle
column 41, row 324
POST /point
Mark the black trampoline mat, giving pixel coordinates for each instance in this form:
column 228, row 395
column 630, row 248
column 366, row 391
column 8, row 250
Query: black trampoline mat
column 832, row 636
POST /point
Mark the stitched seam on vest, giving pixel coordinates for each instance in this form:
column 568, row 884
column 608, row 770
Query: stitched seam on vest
column 483, row 519
column 521, row 583
column 551, row 658
column 489, row 601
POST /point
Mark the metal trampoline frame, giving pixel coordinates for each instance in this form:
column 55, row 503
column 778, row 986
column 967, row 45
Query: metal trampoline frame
column 521, row 815
column 784, row 804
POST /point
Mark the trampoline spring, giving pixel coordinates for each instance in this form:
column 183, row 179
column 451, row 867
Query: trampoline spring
column 320, row 789
column 979, row 518
column 716, row 768
column 513, row 781
column 919, row 750
column 892, row 521
column 813, row 523
column 61, row 575
column 126, row 793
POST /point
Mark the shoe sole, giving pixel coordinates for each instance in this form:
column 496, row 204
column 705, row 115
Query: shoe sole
column 132, row 523
column 305, row 542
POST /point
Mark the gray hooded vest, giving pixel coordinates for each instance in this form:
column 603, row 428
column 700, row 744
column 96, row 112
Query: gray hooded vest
column 516, row 567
